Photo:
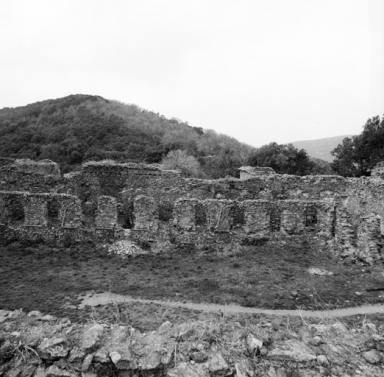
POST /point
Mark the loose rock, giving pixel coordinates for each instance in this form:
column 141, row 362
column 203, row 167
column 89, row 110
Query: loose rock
column 188, row 370
column 372, row 356
column 253, row 344
column 244, row 368
column 91, row 337
column 291, row 350
column 54, row 371
column 217, row 365
column 53, row 348
column 87, row 363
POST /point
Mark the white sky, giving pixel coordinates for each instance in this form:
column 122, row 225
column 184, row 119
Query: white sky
column 258, row 70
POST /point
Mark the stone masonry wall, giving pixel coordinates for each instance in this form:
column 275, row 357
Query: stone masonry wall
column 161, row 206
column 226, row 224
column 26, row 215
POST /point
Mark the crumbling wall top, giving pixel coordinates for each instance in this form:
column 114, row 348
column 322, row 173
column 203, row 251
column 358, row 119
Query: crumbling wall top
column 113, row 165
column 44, row 167
column 247, row 172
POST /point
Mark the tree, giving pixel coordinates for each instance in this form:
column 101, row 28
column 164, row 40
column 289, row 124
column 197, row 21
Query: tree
column 283, row 158
column 321, row 167
column 180, row 160
column 356, row 156
column 225, row 163
column 344, row 162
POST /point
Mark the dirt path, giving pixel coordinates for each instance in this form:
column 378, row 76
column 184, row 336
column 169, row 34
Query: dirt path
column 95, row 299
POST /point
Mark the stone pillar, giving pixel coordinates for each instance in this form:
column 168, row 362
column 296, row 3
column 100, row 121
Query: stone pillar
column 257, row 217
column 369, row 238
column 35, row 210
column 146, row 214
column 326, row 219
column 70, row 214
column 184, row 214
column 106, row 217
column 345, row 235
column 292, row 217
column 218, row 218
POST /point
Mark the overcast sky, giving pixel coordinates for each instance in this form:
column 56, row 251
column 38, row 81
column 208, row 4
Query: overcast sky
column 258, row 70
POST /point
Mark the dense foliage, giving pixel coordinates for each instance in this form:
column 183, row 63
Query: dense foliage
column 357, row 155
column 78, row 128
column 180, row 160
column 286, row 159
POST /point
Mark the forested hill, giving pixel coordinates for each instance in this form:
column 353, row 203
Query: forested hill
column 78, row 128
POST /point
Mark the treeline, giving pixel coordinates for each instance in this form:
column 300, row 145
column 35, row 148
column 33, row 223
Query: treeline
column 357, row 155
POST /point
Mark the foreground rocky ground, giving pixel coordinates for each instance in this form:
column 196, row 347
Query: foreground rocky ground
column 40, row 345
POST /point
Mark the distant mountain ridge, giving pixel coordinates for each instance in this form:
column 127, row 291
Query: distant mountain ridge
column 321, row 148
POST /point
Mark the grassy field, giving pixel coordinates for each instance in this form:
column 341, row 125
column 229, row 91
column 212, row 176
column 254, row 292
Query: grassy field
column 46, row 278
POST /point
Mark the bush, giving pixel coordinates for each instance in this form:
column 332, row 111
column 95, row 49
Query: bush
column 180, row 160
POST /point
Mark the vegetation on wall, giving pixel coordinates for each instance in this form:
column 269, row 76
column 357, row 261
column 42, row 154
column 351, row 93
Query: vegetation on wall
column 357, row 155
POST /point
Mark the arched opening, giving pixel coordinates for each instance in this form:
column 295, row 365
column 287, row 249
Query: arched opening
column 165, row 211
column 15, row 210
column 310, row 217
column 237, row 215
column 125, row 216
column 53, row 211
column 275, row 219
column 200, row 215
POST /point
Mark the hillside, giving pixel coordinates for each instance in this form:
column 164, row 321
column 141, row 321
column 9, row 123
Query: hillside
column 320, row 148
column 78, row 128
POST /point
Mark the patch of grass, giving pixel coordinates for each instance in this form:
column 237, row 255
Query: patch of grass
column 45, row 278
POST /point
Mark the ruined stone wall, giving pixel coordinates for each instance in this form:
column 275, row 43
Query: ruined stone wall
column 28, row 175
column 111, row 179
column 274, row 187
column 25, row 215
column 228, row 225
column 344, row 216
column 360, row 219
